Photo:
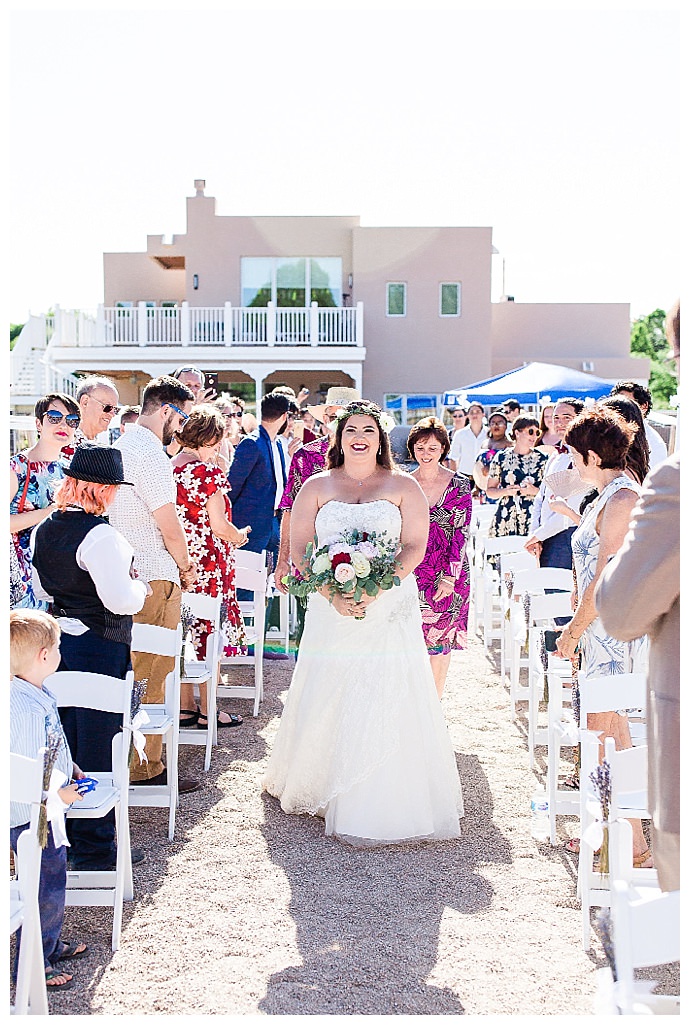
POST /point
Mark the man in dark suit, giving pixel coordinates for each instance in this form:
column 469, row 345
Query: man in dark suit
column 257, row 477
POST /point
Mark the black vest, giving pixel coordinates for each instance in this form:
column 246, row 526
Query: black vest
column 74, row 593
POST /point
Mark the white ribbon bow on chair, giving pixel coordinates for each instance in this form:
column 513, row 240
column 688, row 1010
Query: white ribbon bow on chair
column 593, row 835
column 56, row 808
column 138, row 738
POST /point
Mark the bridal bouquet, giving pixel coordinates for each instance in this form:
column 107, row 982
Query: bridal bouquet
column 351, row 563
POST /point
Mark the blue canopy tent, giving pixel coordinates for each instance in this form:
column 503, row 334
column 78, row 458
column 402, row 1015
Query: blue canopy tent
column 530, row 384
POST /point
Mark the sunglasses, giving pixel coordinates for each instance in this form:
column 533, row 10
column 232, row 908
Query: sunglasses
column 54, row 417
column 529, row 430
column 108, row 407
column 457, row 415
column 185, row 416
column 238, row 414
column 188, row 370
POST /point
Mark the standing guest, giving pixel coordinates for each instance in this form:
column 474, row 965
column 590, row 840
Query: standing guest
column 643, row 397
column 515, row 476
column 308, row 460
column 311, row 427
column 468, row 441
column 83, row 565
column 129, row 415
column 257, row 480
column 98, row 403
column 639, row 593
column 548, row 436
column 204, row 509
column 34, row 656
column 512, row 409
column 496, row 441
column 34, row 475
column 637, row 459
column 549, row 531
column 146, row 515
column 599, row 440
column 231, row 409
column 443, row 575
column 459, row 420
column 194, row 379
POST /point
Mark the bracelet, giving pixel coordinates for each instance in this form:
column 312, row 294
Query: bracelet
column 566, row 629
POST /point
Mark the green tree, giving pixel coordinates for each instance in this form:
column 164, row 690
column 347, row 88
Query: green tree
column 15, row 330
column 648, row 339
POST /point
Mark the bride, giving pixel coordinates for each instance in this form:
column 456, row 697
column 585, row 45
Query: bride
column 362, row 740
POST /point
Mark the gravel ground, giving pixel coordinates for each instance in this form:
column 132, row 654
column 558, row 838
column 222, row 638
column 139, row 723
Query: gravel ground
column 250, row 911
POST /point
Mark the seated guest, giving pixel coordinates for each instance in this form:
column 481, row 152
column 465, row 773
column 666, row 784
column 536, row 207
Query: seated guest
column 204, row 509
column 34, row 475
column 34, row 656
column 83, row 565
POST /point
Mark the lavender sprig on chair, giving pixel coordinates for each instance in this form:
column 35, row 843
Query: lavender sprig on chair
column 53, row 743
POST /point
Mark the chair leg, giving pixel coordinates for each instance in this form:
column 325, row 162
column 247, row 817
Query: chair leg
column 172, row 754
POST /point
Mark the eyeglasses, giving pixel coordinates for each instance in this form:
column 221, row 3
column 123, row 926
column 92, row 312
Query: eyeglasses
column 108, row 407
column 238, row 414
column 185, row 416
column 54, row 417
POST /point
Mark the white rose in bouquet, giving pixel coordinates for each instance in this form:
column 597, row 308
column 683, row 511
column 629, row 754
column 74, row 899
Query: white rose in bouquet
column 344, row 572
column 321, row 564
column 361, row 564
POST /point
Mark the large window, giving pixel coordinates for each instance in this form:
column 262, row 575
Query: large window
column 396, row 299
column 291, row 280
column 449, row 299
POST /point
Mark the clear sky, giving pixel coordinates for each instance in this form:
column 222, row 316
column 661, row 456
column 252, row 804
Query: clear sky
column 559, row 129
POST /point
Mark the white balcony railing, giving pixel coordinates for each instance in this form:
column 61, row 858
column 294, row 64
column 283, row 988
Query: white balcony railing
column 228, row 325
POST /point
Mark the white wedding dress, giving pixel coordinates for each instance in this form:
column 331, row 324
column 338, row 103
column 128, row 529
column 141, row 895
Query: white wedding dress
column 362, row 740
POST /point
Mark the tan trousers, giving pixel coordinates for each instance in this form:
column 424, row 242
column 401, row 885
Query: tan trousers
column 162, row 608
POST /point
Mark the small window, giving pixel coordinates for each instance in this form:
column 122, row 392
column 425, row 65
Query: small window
column 396, row 299
column 449, row 299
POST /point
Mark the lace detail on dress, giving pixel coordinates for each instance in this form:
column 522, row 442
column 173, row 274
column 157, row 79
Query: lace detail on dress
column 380, row 516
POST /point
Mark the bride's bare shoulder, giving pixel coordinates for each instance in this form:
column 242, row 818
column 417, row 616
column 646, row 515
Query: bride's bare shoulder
column 407, row 484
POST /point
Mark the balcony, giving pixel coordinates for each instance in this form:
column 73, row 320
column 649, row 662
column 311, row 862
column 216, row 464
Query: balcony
column 204, row 326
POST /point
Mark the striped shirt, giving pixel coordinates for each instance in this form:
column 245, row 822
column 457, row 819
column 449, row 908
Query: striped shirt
column 33, row 711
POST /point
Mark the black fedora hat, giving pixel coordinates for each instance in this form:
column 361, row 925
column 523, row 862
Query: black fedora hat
column 97, row 464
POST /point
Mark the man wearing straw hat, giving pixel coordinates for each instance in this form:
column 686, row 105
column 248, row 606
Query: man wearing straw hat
column 308, row 460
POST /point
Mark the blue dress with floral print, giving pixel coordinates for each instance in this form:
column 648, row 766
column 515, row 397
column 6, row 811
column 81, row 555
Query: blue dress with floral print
column 43, row 479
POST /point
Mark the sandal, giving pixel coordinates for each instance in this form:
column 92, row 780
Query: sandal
column 571, row 782
column 234, row 720
column 52, row 976
column 71, row 951
column 573, row 845
column 639, row 859
column 190, row 718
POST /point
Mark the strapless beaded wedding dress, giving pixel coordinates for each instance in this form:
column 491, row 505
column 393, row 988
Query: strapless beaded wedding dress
column 362, row 740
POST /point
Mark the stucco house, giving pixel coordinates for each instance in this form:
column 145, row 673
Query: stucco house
column 402, row 312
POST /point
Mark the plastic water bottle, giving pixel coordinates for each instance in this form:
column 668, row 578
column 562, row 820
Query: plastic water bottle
column 540, row 828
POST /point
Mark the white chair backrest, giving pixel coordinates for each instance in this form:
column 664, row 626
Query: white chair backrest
column 646, row 926
column 92, row 690
column 628, row 774
column 609, row 693
column 547, row 606
column 499, row 545
column 203, row 606
column 26, row 782
column 251, row 573
column 250, row 560
column 514, row 562
column 537, row 579
column 155, row 640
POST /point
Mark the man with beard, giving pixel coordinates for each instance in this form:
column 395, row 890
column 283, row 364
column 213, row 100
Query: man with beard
column 147, row 517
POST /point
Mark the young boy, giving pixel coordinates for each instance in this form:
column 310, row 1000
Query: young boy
column 34, row 655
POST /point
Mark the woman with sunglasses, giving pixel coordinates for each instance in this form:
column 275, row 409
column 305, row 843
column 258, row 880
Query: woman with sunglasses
column 34, row 475
column 514, row 478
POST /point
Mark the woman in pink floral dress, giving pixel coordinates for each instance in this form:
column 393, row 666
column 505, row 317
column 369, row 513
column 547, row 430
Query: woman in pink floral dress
column 205, row 511
column 443, row 576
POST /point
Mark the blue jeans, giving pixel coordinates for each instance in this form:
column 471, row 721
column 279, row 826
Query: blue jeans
column 51, row 896
column 557, row 552
column 90, row 736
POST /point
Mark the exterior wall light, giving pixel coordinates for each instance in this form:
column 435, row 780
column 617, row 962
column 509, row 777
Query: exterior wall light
column 195, row 281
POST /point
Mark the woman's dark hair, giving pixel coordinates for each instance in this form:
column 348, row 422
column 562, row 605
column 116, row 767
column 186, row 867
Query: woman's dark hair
column 637, row 459
column 163, row 391
column 521, row 422
column 361, row 407
column 602, row 431
column 204, row 426
column 44, row 404
column 425, row 427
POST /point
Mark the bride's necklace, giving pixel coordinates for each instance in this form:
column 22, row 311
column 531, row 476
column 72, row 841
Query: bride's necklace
column 356, row 480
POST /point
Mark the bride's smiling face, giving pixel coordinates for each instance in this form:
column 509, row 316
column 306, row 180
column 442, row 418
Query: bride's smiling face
column 360, row 438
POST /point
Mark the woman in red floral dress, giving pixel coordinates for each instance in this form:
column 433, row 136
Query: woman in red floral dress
column 205, row 511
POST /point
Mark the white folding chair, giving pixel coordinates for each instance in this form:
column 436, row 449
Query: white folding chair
column 482, row 516
column 562, row 731
column 205, row 672
column 164, row 719
column 26, row 787
column 510, row 563
column 645, row 923
column 250, row 575
column 488, row 581
column 105, row 694
column 602, row 694
column 530, row 607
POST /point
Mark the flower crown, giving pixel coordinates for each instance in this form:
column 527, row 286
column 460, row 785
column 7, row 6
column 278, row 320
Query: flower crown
column 383, row 419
